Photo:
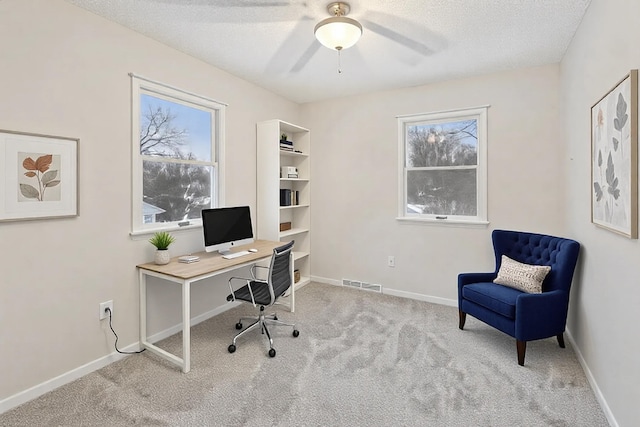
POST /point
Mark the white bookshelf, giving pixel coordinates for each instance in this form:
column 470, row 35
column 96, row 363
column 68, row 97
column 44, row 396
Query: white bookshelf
column 270, row 158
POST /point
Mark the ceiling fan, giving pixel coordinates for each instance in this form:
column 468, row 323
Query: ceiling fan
column 379, row 23
column 299, row 46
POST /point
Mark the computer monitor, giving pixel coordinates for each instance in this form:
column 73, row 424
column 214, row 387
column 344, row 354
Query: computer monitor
column 227, row 227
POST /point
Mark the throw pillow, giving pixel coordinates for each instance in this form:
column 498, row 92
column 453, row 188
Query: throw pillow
column 525, row 277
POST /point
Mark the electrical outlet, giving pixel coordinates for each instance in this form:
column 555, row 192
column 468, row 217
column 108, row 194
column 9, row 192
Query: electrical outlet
column 104, row 314
column 391, row 261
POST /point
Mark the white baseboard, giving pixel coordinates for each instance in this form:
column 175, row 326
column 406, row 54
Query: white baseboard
column 592, row 382
column 194, row 321
column 396, row 292
column 421, row 297
column 49, row 385
column 45, row 387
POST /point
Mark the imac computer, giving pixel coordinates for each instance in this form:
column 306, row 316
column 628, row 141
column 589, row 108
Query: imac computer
column 225, row 228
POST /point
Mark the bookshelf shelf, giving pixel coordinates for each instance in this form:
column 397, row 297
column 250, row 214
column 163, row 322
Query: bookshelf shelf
column 286, row 153
column 293, row 232
column 293, row 207
column 294, row 179
column 269, row 212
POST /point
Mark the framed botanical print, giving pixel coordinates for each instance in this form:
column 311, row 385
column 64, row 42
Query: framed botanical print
column 614, row 158
column 39, row 176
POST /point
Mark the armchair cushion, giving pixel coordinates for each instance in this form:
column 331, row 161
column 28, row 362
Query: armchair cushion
column 524, row 277
column 499, row 299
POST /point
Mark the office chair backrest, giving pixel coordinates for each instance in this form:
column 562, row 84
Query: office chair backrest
column 280, row 278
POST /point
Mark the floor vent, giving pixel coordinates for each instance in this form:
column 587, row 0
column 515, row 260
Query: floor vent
column 362, row 285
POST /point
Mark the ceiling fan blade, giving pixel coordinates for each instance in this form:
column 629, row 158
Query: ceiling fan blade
column 306, row 56
column 235, row 3
column 226, row 11
column 410, row 43
column 279, row 62
column 415, row 37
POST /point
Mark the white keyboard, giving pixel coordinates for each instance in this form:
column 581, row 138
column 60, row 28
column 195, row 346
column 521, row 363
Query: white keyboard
column 236, row 254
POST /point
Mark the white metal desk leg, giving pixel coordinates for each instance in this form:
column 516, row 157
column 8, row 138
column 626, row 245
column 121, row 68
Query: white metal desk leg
column 186, row 326
column 142, row 280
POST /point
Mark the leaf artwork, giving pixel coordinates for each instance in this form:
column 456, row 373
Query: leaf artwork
column 614, row 161
column 39, row 169
column 621, row 113
column 612, row 180
column 598, row 190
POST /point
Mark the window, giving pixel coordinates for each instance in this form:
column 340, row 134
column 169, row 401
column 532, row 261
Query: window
column 442, row 166
column 177, row 140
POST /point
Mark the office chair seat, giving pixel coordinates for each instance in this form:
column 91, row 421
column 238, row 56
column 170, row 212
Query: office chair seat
column 260, row 290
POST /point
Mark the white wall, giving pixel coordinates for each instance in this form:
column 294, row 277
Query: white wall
column 64, row 72
column 604, row 312
column 354, row 174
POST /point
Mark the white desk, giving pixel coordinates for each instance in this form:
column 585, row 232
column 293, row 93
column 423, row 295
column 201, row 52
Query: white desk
column 210, row 264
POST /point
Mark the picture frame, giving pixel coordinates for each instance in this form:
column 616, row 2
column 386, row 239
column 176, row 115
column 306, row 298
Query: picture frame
column 38, row 176
column 614, row 158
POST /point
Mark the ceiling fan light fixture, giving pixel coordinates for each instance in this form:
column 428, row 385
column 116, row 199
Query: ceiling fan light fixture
column 338, row 32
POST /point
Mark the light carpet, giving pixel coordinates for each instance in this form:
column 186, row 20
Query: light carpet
column 362, row 359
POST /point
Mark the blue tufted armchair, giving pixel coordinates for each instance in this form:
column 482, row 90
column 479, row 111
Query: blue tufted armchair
column 524, row 316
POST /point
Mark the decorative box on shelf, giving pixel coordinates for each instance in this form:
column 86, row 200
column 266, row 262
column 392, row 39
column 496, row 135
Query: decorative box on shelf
column 296, row 276
column 288, row 172
column 284, row 226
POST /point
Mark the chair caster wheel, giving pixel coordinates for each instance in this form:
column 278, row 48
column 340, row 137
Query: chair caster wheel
column 238, row 325
column 296, row 332
column 272, row 352
column 232, row 348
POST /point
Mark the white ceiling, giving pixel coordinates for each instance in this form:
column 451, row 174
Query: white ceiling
column 404, row 43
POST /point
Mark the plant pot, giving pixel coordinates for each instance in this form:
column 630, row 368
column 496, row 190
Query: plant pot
column 162, row 256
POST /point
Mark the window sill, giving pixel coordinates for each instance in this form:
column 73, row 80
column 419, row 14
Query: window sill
column 147, row 232
column 442, row 222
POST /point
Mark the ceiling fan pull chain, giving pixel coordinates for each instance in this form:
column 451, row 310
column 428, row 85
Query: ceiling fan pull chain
column 339, row 66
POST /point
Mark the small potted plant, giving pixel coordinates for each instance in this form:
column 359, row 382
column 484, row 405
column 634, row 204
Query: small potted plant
column 161, row 240
column 283, row 137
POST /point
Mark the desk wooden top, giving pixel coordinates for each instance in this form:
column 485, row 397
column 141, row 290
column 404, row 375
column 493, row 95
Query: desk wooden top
column 212, row 261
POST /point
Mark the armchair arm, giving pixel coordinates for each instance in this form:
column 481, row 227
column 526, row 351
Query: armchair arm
column 247, row 284
column 541, row 315
column 468, row 278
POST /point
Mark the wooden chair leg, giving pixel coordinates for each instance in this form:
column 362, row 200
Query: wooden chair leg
column 463, row 318
column 522, row 348
column 560, row 340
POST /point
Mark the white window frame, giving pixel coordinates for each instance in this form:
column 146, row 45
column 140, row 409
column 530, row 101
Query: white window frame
column 140, row 85
column 477, row 113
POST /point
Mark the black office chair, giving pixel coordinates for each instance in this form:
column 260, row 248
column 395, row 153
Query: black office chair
column 265, row 293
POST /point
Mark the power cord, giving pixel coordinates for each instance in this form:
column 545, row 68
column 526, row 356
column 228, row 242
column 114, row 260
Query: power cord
column 116, row 335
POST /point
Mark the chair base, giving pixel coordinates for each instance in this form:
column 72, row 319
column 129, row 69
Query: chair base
column 261, row 322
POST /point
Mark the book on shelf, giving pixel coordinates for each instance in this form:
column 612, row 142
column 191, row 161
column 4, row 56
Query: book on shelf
column 289, row 197
column 285, row 197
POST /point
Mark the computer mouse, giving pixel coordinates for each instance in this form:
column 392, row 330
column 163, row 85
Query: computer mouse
column 253, row 250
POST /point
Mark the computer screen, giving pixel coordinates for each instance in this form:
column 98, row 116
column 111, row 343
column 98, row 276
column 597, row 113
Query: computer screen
column 226, row 227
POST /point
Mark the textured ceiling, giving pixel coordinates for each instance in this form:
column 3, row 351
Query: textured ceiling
column 404, row 43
